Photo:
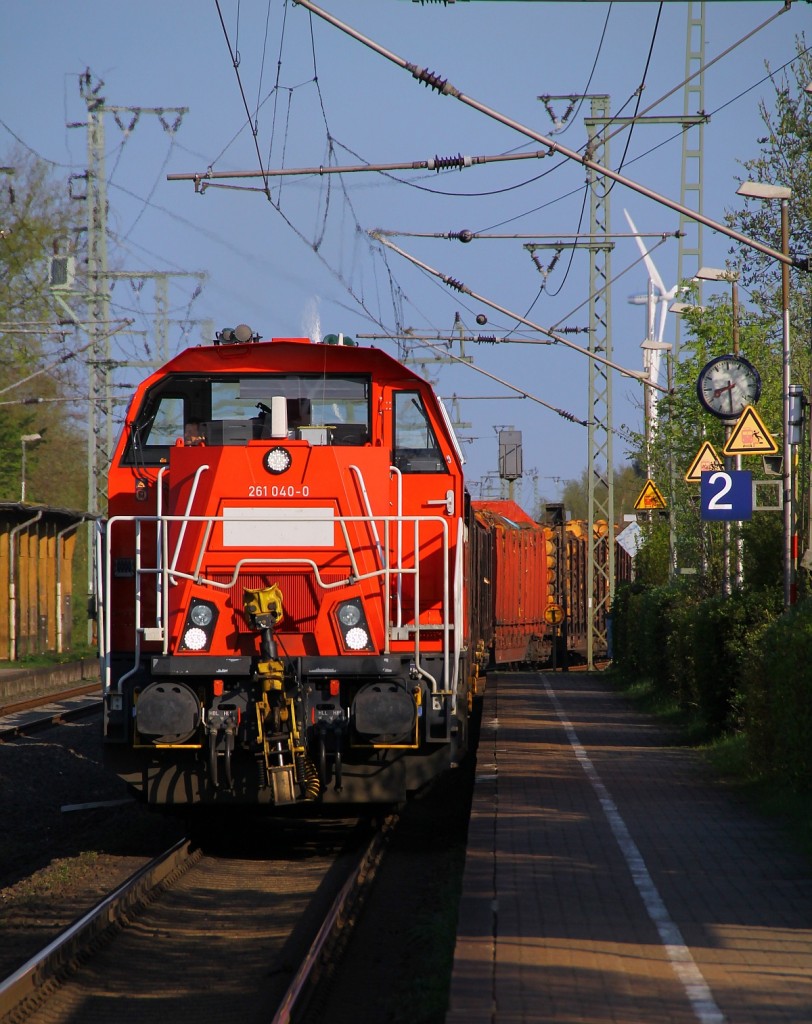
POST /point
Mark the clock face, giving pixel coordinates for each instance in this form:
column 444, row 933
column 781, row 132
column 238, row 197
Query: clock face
column 727, row 385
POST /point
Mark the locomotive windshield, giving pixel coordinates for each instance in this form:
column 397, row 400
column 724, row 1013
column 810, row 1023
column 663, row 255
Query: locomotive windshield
column 232, row 410
column 416, row 447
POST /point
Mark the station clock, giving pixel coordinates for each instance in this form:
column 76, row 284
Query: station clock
column 727, row 385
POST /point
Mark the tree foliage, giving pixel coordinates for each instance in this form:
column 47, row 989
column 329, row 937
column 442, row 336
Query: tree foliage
column 783, row 158
column 39, row 376
column 627, row 483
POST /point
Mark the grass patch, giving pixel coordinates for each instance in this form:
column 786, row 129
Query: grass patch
column 686, row 721
column 59, row 875
column 771, row 795
column 435, row 931
column 48, row 659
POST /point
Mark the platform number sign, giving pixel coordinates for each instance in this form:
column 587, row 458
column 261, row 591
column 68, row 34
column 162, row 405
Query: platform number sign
column 727, row 495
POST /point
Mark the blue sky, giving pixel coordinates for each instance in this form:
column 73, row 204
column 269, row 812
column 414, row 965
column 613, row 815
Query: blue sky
column 304, row 263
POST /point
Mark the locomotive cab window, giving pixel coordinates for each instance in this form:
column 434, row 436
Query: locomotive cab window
column 165, row 416
column 231, row 410
column 321, row 409
column 416, row 446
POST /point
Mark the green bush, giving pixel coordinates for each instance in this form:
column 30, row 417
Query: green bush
column 737, row 664
column 726, row 636
column 777, row 698
column 647, row 641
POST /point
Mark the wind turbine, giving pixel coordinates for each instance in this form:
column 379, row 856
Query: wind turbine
column 663, row 296
column 653, row 349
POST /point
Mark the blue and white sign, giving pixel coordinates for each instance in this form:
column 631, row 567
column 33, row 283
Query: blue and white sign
column 727, row 495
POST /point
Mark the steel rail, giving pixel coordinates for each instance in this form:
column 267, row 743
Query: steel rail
column 350, row 895
column 48, row 698
column 9, row 727
column 28, row 981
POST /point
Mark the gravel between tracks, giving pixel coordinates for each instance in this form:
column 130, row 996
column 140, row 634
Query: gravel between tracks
column 56, row 865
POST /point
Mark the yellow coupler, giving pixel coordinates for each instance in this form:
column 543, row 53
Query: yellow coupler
column 264, row 610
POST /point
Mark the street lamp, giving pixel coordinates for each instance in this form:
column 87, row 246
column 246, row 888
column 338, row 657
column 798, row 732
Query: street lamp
column 680, row 309
column 684, row 307
column 764, row 190
column 732, row 277
column 26, row 439
column 651, row 349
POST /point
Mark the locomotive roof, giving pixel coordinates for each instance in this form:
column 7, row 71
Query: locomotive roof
column 287, row 355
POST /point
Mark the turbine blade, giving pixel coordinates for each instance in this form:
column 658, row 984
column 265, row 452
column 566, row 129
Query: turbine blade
column 652, row 270
column 663, row 314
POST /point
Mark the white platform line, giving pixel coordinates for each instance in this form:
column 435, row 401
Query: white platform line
column 683, row 963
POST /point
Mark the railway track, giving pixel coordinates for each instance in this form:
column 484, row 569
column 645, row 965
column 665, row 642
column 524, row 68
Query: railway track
column 396, row 938
column 208, row 935
column 23, row 717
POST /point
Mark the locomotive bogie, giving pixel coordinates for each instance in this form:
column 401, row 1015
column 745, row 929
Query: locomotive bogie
column 362, row 737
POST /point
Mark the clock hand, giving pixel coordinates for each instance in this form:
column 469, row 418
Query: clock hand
column 728, row 387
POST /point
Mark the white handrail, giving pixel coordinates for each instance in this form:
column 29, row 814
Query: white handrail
column 451, row 612
column 192, row 494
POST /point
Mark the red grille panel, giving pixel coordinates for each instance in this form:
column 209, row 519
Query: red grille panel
column 301, row 595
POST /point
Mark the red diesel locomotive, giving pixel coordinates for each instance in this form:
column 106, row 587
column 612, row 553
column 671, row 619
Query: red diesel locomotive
column 296, row 595
column 283, row 615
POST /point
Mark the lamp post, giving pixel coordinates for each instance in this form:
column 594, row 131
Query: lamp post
column 716, row 274
column 764, row 190
column 26, row 439
column 651, row 351
column 681, row 308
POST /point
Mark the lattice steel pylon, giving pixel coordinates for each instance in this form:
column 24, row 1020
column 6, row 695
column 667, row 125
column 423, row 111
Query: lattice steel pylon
column 100, row 363
column 689, row 258
column 100, row 440
column 600, row 493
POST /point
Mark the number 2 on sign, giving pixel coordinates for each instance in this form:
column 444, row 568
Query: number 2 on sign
column 727, row 495
column 716, row 504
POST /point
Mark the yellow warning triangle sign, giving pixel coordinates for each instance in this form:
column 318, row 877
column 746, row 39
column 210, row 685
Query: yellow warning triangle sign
column 649, row 497
column 749, row 436
column 706, row 461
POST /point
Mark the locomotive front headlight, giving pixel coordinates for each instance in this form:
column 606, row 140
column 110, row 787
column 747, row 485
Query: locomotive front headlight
column 199, row 626
column 277, row 460
column 357, row 639
column 195, row 639
column 353, row 625
column 201, row 615
column 349, row 614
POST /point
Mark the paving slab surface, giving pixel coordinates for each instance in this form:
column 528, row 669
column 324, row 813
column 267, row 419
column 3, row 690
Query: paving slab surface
column 611, row 878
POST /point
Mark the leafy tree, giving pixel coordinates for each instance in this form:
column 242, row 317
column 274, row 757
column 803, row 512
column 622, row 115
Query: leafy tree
column 627, row 484
column 784, row 158
column 38, row 375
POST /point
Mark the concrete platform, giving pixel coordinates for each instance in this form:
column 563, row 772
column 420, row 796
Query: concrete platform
column 18, row 684
column 611, row 878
